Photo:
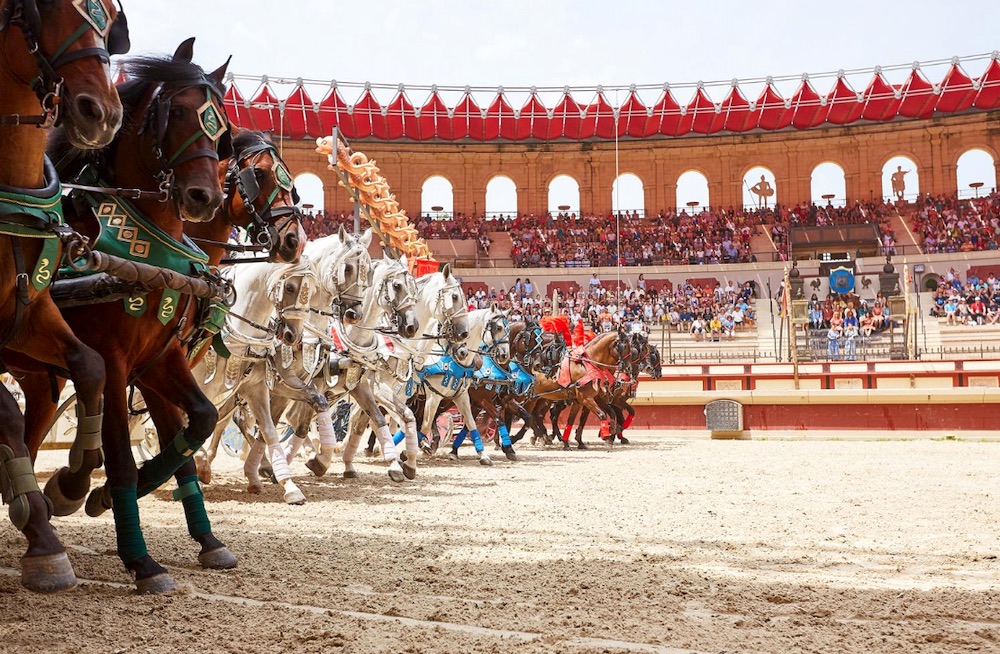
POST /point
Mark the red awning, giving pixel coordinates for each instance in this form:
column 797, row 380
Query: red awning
column 774, row 114
column 333, row 110
column 808, row 110
column 400, row 119
column 599, row 120
column 989, row 87
column 468, row 119
column 918, row 97
column 534, row 119
column 705, row 119
column 666, row 116
column 880, row 100
column 566, row 119
column 264, row 113
column 434, row 121
column 843, row 104
column 957, row 93
column 368, row 116
column 500, row 121
column 736, row 108
column 632, row 117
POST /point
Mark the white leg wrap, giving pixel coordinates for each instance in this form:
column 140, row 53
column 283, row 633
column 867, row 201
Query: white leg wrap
column 295, row 444
column 327, row 437
column 385, row 440
column 412, row 444
column 279, row 464
column 252, row 463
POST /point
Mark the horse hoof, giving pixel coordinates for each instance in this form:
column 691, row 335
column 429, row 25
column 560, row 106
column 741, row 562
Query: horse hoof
column 294, row 496
column 396, row 475
column 453, row 456
column 369, row 452
column 350, row 474
column 581, row 446
column 485, row 460
column 98, row 502
column 204, row 469
column 565, row 446
column 47, row 574
column 624, row 441
column 218, row 559
column 533, row 439
column 161, row 583
column 61, row 505
column 511, row 454
column 409, row 469
column 316, row 467
column 255, row 488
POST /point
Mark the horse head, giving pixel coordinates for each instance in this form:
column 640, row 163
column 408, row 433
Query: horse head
column 290, row 288
column 175, row 132
column 441, row 293
column 261, row 197
column 67, row 50
column 345, row 270
column 395, row 294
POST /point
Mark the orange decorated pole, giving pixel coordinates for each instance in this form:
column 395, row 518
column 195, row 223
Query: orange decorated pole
column 369, row 188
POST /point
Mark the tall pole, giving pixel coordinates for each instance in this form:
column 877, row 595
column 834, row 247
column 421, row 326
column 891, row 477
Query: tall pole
column 618, row 219
column 792, row 333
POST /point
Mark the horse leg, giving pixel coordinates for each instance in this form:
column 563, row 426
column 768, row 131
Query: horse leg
column 355, row 428
column 364, row 396
column 554, row 410
column 465, row 408
column 505, row 443
column 45, row 568
column 430, row 408
column 570, row 421
column 259, row 401
column 584, row 414
column 589, row 401
column 626, row 421
column 169, row 420
column 47, row 338
column 203, row 458
column 120, row 492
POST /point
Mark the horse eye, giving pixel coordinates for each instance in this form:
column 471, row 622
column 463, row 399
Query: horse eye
column 397, row 286
column 347, row 269
column 290, row 288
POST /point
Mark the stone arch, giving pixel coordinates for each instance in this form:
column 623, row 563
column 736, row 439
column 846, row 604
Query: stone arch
column 312, row 191
column 828, row 178
column 761, row 178
column 975, row 166
column 907, row 170
column 628, row 193
column 692, row 186
column 563, row 191
column 437, row 191
column 501, row 197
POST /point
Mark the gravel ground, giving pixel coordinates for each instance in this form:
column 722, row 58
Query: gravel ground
column 666, row 545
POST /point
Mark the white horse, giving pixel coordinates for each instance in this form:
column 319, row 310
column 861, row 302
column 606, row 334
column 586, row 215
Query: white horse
column 448, row 377
column 255, row 371
column 441, row 308
column 389, row 306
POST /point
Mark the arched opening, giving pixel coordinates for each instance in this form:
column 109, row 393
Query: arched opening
column 692, row 191
column 564, row 195
column 759, row 189
column 501, row 198
column 900, row 179
column 628, row 196
column 828, row 186
column 976, row 174
column 311, row 192
column 437, row 198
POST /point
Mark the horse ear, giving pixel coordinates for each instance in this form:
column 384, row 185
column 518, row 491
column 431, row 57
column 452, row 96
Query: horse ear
column 185, row 51
column 494, row 307
column 219, row 74
column 366, row 238
column 446, row 270
column 390, row 253
column 402, row 260
column 342, row 233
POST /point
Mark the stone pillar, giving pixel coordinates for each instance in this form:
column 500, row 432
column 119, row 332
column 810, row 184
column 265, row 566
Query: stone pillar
column 888, row 279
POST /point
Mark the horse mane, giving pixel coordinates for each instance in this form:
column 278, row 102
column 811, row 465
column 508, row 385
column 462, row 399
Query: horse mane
column 143, row 72
column 244, row 139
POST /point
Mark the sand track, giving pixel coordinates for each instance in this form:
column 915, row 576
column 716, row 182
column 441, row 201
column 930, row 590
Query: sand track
column 663, row 546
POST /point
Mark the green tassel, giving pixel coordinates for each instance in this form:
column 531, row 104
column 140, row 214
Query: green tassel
column 125, row 504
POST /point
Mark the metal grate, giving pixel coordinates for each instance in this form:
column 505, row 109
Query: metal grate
column 724, row 416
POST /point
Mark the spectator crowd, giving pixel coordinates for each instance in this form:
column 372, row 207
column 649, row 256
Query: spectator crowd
column 975, row 302
column 948, row 224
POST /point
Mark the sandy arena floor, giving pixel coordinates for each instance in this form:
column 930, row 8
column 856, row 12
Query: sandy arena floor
column 666, row 545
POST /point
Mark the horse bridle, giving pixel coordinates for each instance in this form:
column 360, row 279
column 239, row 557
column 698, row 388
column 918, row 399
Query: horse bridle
column 301, row 307
column 269, row 222
column 48, row 86
column 389, row 303
column 360, row 282
column 496, row 323
column 449, row 310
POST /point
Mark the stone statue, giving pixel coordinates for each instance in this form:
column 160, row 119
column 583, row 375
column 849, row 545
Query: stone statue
column 762, row 190
column 898, row 183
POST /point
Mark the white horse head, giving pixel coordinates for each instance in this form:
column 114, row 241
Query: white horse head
column 393, row 293
column 442, row 306
column 273, row 290
column 487, row 335
column 344, row 268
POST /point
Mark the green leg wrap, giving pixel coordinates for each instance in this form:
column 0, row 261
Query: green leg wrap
column 88, row 437
column 189, row 493
column 125, row 504
column 162, row 467
column 17, row 479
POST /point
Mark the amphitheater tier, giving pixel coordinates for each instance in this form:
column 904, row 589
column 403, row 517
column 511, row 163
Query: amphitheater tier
column 861, row 150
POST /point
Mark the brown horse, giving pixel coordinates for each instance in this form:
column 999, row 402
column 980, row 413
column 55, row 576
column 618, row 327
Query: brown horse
column 59, row 46
column 170, row 148
column 586, row 374
column 260, row 199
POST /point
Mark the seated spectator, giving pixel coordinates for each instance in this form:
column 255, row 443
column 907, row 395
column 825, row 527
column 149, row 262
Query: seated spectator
column 698, row 329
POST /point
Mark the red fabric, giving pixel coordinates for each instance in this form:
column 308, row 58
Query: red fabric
column 880, row 101
column 579, row 337
column 843, row 103
column 989, row 87
column 957, row 93
column 557, row 325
